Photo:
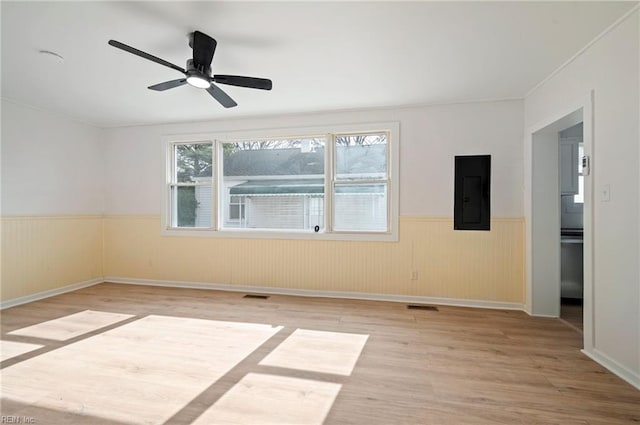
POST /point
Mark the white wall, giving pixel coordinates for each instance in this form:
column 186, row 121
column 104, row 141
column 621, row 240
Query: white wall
column 430, row 138
column 546, row 215
column 609, row 67
column 52, row 202
column 50, row 165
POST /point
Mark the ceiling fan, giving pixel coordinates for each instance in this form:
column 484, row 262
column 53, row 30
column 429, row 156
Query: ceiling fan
column 198, row 72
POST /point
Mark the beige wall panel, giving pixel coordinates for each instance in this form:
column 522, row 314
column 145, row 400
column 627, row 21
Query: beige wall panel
column 468, row 265
column 134, row 248
column 45, row 253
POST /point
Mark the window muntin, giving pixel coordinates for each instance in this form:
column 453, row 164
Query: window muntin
column 358, row 203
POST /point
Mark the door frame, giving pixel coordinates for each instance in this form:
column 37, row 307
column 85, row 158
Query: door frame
column 586, row 105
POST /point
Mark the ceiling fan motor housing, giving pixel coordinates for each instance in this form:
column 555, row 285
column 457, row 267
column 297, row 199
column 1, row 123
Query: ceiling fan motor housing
column 197, row 69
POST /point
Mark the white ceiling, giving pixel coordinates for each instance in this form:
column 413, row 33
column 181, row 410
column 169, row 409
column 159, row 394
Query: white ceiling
column 320, row 55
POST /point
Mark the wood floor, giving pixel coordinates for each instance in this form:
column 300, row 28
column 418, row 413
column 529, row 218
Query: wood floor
column 194, row 356
column 571, row 312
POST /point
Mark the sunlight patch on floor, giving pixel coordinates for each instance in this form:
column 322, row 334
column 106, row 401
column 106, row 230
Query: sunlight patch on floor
column 10, row 349
column 272, row 400
column 71, row 326
column 141, row 372
column 318, row 351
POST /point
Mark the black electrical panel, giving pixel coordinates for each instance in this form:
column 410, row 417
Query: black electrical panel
column 472, row 199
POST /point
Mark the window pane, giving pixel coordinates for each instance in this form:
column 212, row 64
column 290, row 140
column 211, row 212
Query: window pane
column 360, row 207
column 191, row 206
column 194, row 162
column 234, row 212
column 286, row 212
column 274, row 184
column 361, row 156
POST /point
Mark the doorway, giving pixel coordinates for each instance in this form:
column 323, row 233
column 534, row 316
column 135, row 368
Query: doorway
column 543, row 213
column 571, row 151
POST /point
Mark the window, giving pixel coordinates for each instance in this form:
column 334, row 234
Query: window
column 237, row 210
column 361, row 180
column 190, row 185
column 322, row 185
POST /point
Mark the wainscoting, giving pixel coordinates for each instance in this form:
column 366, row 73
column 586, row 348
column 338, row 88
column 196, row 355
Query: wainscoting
column 44, row 254
column 41, row 254
column 481, row 266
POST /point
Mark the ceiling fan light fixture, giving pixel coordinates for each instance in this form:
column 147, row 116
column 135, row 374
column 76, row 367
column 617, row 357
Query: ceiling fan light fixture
column 198, row 81
column 198, row 71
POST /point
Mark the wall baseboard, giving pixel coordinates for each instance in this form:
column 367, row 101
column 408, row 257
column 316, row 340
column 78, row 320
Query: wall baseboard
column 321, row 294
column 614, row 367
column 50, row 293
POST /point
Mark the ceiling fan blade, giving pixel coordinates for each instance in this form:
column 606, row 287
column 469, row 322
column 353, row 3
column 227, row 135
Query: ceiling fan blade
column 145, row 55
column 219, row 95
column 168, row 84
column 250, row 82
column 203, row 49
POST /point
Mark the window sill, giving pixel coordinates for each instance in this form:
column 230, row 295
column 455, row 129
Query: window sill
column 278, row 234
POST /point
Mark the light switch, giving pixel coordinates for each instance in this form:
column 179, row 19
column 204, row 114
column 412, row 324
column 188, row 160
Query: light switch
column 605, row 193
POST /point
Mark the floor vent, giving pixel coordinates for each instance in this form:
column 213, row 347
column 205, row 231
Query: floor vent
column 256, row 296
column 421, row 307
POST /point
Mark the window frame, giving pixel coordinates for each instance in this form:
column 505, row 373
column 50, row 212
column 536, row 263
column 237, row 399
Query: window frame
column 328, row 233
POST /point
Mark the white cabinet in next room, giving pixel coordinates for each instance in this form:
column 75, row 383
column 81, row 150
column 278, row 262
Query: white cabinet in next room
column 569, row 165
